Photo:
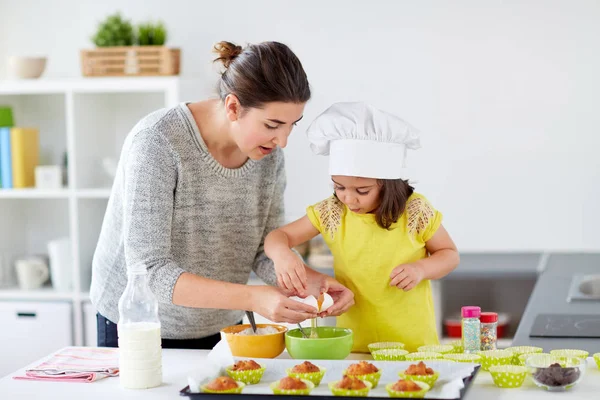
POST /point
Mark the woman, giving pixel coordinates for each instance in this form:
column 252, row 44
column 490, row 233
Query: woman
column 198, row 188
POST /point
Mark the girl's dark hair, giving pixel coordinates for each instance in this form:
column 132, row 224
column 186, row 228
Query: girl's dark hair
column 261, row 73
column 393, row 196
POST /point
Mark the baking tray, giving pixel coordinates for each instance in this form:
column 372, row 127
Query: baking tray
column 378, row 393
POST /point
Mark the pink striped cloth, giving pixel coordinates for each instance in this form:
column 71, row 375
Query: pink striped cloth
column 76, row 364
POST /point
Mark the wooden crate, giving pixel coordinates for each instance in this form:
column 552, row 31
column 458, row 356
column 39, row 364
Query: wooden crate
column 130, row 61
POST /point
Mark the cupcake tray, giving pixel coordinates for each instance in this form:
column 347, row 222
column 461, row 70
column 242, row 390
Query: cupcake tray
column 275, row 370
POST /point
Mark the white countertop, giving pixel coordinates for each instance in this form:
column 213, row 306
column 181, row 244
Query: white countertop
column 177, row 363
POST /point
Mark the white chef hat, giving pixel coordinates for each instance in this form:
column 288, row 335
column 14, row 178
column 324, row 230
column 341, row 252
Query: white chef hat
column 363, row 141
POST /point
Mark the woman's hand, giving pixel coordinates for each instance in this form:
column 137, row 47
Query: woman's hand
column 273, row 304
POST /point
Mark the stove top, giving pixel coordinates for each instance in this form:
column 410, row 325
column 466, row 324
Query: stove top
column 566, row 326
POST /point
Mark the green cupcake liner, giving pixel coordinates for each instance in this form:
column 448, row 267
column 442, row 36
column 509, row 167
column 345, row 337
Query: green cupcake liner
column 463, row 358
column 373, row 378
column 521, row 350
column 545, row 360
column 237, row 390
column 508, row 376
column 351, row 393
column 249, row 377
column 428, row 379
column 314, row 377
column 408, row 395
column 490, row 358
column 570, row 353
column 442, row 349
column 385, row 345
column 389, row 355
column 597, row 359
column 422, row 356
column 523, row 357
column 458, row 346
column 298, row 392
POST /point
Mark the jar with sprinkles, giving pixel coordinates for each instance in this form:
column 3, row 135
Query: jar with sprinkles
column 489, row 330
column 471, row 329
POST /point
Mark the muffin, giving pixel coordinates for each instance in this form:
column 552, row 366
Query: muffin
column 350, row 386
column 405, row 388
column 308, row 371
column 292, row 386
column 248, row 371
column 366, row 371
column 224, row 385
column 420, row 373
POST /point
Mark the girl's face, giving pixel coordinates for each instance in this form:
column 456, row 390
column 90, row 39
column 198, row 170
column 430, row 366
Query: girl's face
column 361, row 195
column 257, row 131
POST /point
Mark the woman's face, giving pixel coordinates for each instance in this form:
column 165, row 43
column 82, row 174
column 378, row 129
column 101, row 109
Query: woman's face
column 361, row 195
column 257, row 131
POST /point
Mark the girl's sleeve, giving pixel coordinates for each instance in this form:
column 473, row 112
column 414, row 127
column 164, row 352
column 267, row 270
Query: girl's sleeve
column 423, row 219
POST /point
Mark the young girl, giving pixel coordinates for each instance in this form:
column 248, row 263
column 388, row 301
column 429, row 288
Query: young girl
column 387, row 241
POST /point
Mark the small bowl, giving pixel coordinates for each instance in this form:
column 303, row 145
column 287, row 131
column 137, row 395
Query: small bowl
column 296, row 392
column 26, row 67
column 520, row 350
column 597, row 359
column 389, row 355
column 237, row 390
column 428, row 379
column 249, row 377
column 255, row 346
column 314, row 377
column 332, row 344
column 570, row 353
column 508, row 376
column 350, row 393
column 412, row 395
column 442, row 349
column 385, row 345
column 490, row 358
column 423, row 356
column 463, row 358
column 556, row 373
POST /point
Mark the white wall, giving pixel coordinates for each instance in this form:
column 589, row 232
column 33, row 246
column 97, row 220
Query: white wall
column 505, row 93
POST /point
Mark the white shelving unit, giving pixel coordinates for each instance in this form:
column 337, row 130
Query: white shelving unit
column 89, row 120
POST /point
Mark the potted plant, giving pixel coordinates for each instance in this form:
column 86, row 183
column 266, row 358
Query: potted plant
column 123, row 49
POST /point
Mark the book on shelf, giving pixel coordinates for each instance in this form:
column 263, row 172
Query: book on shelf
column 19, row 155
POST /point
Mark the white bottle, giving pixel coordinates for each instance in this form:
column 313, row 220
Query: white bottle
column 140, row 352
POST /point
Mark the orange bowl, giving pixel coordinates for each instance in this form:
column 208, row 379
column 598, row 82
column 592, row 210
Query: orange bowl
column 255, row 346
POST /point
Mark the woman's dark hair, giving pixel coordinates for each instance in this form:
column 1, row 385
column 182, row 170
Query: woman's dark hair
column 393, row 195
column 261, row 73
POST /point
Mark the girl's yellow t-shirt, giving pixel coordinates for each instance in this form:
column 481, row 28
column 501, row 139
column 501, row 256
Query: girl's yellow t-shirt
column 364, row 256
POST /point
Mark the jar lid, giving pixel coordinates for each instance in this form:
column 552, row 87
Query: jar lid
column 471, row 312
column 488, row 317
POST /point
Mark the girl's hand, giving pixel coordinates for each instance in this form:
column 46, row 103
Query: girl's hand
column 406, row 276
column 273, row 304
column 291, row 273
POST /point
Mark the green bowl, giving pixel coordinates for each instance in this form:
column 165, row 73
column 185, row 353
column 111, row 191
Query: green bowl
column 332, row 344
column 490, row 358
column 508, row 376
column 597, row 359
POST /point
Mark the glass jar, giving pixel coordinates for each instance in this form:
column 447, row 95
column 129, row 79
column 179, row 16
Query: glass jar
column 471, row 329
column 489, row 330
